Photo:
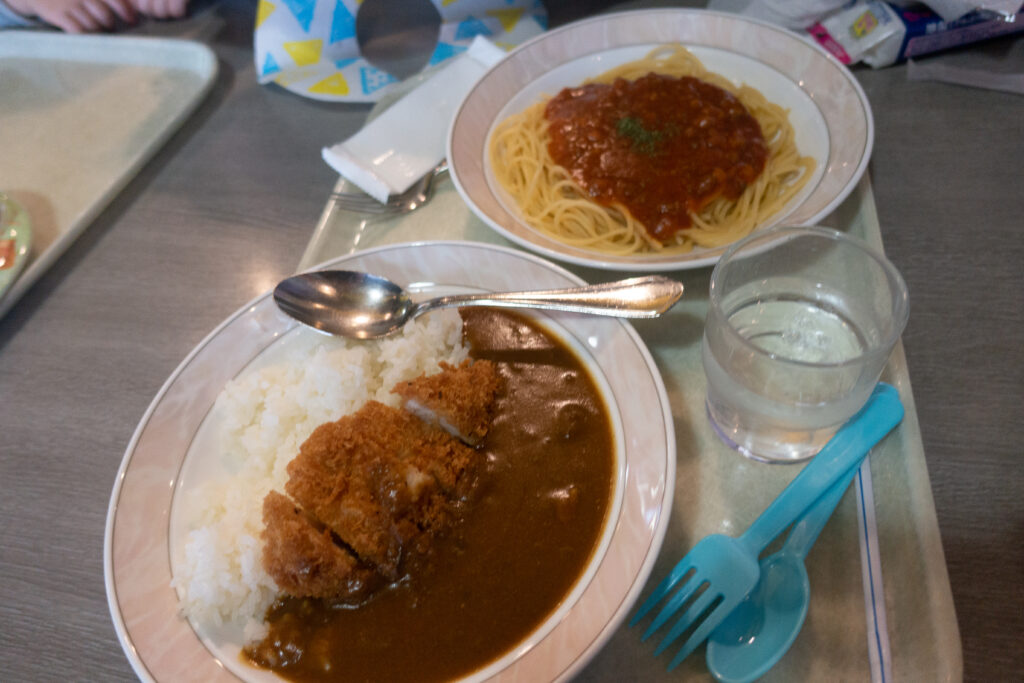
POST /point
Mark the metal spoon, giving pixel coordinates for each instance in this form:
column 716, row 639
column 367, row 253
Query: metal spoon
column 364, row 306
column 755, row 635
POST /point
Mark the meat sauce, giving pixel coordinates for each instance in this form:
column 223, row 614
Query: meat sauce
column 661, row 146
column 530, row 529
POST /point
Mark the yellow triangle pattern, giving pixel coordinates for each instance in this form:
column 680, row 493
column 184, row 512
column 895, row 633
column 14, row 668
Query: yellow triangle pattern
column 507, row 47
column 508, row 17
column 332, row 85
column 445, row 3
column 305, row 52
column 265, row 10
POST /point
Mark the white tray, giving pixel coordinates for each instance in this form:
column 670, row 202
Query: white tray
column 80, row 116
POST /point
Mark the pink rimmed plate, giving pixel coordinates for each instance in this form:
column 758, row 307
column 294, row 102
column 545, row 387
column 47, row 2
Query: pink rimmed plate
column 827, row 107
column 141, row 521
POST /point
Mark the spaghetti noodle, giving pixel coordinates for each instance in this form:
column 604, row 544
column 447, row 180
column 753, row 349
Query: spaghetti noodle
column 579, row 206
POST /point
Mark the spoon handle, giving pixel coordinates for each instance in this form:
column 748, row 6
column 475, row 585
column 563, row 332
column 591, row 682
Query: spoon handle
column 641, row 297
column 806, row 529
column 843, row 453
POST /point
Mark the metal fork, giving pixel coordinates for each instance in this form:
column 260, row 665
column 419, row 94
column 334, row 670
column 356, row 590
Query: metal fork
column 715, row 576
column 413, row 198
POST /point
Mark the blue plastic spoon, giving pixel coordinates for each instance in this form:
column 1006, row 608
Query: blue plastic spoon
column 755, row 635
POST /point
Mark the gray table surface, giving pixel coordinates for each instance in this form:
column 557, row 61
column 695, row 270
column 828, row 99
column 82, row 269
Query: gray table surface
column 227, row 206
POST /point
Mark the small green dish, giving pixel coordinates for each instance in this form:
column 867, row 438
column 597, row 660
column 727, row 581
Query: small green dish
column 15, row 241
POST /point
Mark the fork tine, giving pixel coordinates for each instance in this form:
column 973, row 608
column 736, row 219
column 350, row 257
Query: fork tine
column 357, row 202
column 353, row 196
column 370, row 209
column 357, row 205
column 681, row 569
column 688, row 619
column 379, row 209
column 713, row 619
column 675, row 602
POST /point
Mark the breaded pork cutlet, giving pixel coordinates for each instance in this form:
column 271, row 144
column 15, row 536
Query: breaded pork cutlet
column 304, row 560
column 374, row 486
column 379, row 479
column 458, row 399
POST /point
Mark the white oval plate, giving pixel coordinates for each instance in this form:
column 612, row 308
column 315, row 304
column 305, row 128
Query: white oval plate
column 162, row 646
column 827, row 107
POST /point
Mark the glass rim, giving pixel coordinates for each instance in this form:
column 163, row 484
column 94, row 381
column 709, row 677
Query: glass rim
column 901, row 300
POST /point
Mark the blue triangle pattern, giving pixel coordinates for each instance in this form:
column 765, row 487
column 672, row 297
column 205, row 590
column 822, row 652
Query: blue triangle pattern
column 303, row 11
column 374, row 79
column 270, row 65
column 471, row 28
column 343, row 24
column 445, row 51
column 542, row 20
column 342, row 63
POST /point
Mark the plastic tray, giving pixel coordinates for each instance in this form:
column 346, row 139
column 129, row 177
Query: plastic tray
column 81, row 115
column 881, row 606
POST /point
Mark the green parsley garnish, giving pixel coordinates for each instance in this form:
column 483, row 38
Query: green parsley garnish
column 644, row 141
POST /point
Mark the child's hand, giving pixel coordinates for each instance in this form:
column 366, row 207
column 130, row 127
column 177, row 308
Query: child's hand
column 161, row 9
column 85, row 16
column 78, row 16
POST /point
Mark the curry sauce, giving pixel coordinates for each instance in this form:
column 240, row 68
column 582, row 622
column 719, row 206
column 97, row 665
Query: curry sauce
column 531, row 525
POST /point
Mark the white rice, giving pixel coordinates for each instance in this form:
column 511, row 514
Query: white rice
column 264, row 415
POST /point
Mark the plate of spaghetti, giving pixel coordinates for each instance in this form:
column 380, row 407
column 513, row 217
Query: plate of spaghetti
column 651, row 140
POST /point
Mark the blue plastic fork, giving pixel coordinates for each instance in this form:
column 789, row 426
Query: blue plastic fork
column 727, row 568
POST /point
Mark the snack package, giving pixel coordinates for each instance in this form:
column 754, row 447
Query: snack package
column 879, row 33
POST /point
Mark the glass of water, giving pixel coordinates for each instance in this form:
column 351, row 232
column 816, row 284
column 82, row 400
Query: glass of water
column 800, row 324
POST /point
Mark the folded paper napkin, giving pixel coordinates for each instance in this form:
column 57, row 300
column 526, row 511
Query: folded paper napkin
column 310, row 47
column 408, row 140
